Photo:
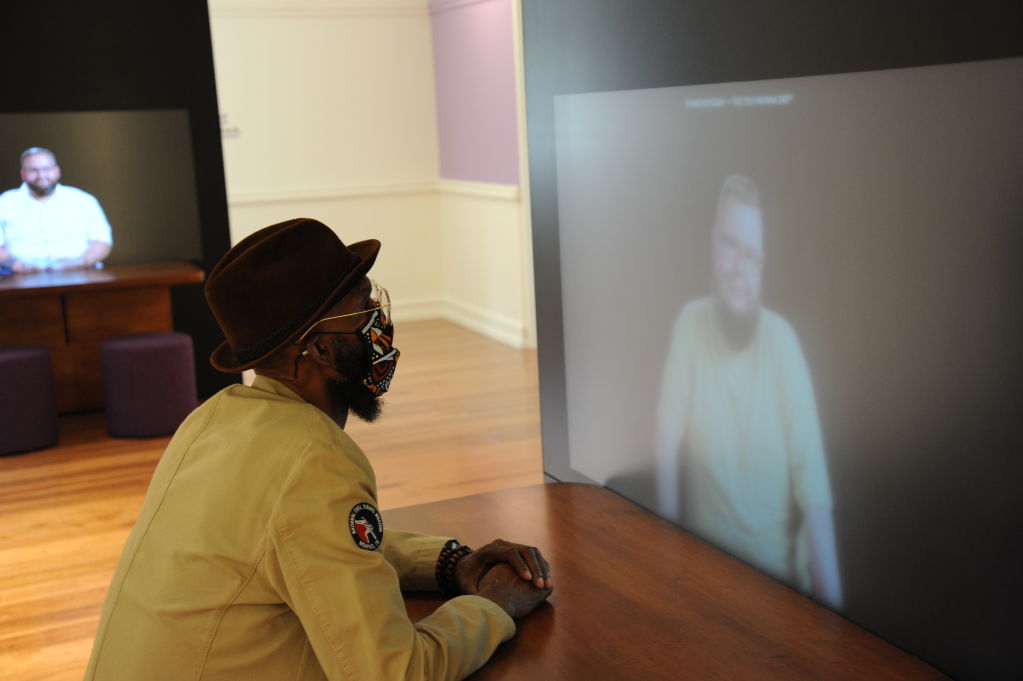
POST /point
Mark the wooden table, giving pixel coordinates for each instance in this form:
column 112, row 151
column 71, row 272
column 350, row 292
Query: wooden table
column 72, row 312
column 637, row 598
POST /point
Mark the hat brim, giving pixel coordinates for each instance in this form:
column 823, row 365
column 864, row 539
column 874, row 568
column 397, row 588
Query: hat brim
column 223, row 358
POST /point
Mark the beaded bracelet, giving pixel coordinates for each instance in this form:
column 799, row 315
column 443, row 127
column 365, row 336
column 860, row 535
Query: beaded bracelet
column 447, row 561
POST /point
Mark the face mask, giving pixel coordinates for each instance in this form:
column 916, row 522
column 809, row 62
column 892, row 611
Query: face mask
column 377, row 335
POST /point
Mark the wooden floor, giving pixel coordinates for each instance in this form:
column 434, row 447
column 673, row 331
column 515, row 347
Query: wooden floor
column 462, row 417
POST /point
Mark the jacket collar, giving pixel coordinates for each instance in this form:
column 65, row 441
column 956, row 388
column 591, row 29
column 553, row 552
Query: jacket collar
column 271, row 385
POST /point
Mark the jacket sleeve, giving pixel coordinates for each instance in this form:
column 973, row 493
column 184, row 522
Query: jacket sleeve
column 348, row 598
column 414, row 557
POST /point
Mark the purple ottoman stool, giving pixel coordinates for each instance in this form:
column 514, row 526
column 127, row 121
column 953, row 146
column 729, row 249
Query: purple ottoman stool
column 148, row 383
column 28, row 406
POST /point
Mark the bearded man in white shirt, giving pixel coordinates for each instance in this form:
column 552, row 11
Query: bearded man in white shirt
column 45, row 225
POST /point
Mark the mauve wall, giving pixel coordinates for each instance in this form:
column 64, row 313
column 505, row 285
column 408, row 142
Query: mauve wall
column 474, row 68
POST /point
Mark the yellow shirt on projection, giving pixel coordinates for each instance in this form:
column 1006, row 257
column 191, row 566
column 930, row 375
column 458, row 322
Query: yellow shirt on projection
column 740, row 453
column 244, row 563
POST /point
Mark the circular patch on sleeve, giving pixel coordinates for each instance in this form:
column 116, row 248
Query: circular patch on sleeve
column 366, row 526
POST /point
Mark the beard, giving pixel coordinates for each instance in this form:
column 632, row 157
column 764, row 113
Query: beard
column 353, row 363
column 41, row 191
column 738, row 328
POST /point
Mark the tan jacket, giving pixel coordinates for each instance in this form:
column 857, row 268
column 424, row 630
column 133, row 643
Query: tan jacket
column 243, row 563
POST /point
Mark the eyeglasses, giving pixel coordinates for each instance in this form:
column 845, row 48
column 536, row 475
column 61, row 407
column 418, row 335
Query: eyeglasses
column 379, row 295
column 734, row 250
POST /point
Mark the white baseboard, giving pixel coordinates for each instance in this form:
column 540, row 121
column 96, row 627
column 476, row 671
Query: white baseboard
column 501, row 328
column 416, row 309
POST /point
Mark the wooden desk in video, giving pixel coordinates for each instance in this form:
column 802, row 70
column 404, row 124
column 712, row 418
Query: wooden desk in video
column 72, row 312
column 637, row 598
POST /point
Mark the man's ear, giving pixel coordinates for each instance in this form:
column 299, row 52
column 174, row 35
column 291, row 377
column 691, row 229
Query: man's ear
column 319, row 351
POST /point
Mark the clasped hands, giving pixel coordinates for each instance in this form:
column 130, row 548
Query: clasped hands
column 515, row 576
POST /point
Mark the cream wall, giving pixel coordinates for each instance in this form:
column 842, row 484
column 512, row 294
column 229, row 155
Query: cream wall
column 481, row 231
column 329, row 112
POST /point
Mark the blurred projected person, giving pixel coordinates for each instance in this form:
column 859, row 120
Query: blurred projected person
column 45, row 225
column 740, row 457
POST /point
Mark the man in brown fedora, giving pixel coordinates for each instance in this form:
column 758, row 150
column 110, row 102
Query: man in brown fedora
column 259, row 552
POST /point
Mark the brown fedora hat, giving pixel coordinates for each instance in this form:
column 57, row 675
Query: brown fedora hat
column 274, row 283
